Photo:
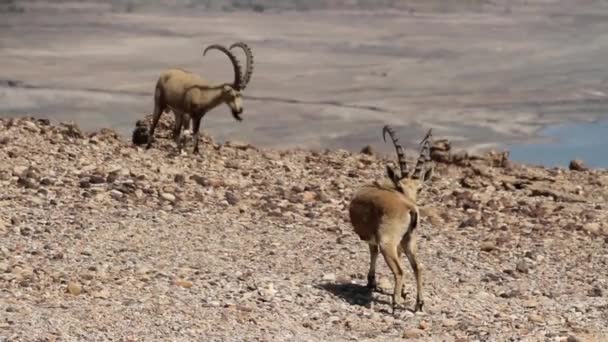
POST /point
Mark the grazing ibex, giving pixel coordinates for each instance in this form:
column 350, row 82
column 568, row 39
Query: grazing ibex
column 190, row 97
column 385, row 215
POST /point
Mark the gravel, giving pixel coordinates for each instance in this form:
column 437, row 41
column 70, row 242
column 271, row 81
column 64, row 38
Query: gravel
column 103, row 240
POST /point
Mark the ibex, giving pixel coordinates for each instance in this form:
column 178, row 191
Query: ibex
column 190, row 97
column 385, row 215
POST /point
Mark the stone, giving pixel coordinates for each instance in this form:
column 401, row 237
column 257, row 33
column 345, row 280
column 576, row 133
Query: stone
column 179, row 178
column 96, row 179
column 412, row 333
column 168, row 197
column 115, row 194
column 384, row 284
column 577, row 165
column 231, row 198
column 19, row 170
column 307, row 197
column 592, row 228
column 184, row 283
column 74, row 288
column 536, row 318
column 368, row 149
column 488, row 246
column 331, row 277
column 522, row 267
column 596, row 291
column 449, row 323
column 140, row 135
column 424, row 325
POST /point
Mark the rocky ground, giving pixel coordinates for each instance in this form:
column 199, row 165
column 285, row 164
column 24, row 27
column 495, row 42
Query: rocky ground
column 103, row 240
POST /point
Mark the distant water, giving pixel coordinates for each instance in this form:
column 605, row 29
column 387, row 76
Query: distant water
column 587, row 141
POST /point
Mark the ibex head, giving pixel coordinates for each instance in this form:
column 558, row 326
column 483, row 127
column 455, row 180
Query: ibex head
column 231, row 92
column 410, row 183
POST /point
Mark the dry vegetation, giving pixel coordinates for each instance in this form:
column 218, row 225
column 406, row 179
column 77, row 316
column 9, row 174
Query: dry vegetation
column 100, row 239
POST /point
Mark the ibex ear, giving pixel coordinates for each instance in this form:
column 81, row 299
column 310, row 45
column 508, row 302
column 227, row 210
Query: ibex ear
column 227, row 88
column 392, row 175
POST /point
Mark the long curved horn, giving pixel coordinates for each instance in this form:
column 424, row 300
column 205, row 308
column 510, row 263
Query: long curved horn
column 235, row 64
column 424, row 156
column 398, row 148
column 249, row 64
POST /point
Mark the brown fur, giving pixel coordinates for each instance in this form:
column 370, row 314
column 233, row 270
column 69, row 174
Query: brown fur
column 190, row 97
column 385, row 215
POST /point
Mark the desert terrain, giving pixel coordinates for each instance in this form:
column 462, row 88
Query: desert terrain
column 483, row 76
column 101, row 240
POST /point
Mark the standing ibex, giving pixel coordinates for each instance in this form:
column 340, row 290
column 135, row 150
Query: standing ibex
column 190, row 97
column 385, row 215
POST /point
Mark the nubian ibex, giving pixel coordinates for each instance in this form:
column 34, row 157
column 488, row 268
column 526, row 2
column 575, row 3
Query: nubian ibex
column 190, row 97
column 385, row 215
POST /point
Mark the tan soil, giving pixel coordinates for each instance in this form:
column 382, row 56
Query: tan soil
column 102, row 240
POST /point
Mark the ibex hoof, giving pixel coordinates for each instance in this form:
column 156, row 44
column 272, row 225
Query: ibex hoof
column 419, row 305
column 371, row 284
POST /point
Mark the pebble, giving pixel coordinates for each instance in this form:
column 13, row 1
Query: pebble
column 74, row 288
column 168, row 197
column 412, row 333
column 449, row 322
column 536, row 318
column 522, row 267
column 488, row 246
column 329, row 277
column 231, row 198
column 424, row 325
column 184, row 283
column 115, row 194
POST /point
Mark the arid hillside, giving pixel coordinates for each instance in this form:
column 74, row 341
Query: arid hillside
column 102, row 240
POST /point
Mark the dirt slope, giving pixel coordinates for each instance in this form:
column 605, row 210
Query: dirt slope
column 101, row 240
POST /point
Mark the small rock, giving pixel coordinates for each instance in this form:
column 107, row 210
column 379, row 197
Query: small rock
column 522, row 267
column 333, row 319
column 595, row 292
column 179, row 179
column 101, row 294
column 331, row 277
column 307, row 196
column 577, row 165
column 368, row 149
column 530, row 303
column 449, row 322
column 231, row 198
column 574, row 338
column 231, row 164
column 488, row 246
column 96, row 179
column 168, row 197
column 74, row 288
column 3, row 225
column 536, row 318
column 384, row 284
column 184, row 283
column 19, row 170
column 140, row 135
column 412, row 333
column 424, row 325
column 592, row 228
column 30, row 126
column 116, row 194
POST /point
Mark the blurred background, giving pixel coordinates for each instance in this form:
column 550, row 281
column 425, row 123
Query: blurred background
column 528, row 76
